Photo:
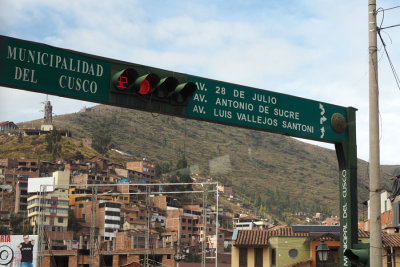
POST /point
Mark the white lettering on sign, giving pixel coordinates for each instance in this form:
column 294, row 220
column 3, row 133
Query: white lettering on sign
column 222, row 113
column 63, row 63
column 286, row 113
column 26, row 75
column 199, row 97
column 201, row 86
column 237, row 93
column 298, row 126
column 220, row 90
column 57, row 62
column 256, row 119
column 345, row 243
column 199, row 109
column 344, row 207
column 256, row 108
column 234, row 104
column 263, row 98
column 344, row 183
column 77, row 84
column 263, row 109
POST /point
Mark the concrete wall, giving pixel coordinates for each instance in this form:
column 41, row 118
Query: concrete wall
column 284, row 244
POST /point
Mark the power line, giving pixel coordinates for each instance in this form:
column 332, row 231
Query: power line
column 381, row 9
column 397, row 25
column 396, row 77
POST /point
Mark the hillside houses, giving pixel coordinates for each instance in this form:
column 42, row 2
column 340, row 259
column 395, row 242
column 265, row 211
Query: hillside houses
column 94, row 197
column 7, row 126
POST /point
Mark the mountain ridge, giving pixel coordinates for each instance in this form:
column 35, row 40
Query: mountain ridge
column 273, row 173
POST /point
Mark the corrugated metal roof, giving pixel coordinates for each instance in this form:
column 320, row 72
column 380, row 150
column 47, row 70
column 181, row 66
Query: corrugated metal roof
column 316, row 228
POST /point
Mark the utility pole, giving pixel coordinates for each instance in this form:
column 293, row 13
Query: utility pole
column 374, row 164
column 92, row 243
column 204, row 243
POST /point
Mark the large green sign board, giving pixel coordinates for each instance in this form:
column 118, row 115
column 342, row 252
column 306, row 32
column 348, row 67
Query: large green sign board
column 51, row 70
column 266, row 110
column 46, row 69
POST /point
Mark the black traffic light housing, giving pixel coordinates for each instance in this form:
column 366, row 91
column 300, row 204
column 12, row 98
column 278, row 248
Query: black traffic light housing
column 359, row 255
column 144, row 84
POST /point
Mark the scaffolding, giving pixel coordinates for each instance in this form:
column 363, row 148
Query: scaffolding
column 207, row 188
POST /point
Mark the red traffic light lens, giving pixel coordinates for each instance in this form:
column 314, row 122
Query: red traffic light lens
column 146, row 84
column 122, row 82
column 124, row 79
column 144, row 87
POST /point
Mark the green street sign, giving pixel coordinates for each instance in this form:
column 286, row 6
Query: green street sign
column 266, row 110
column 42, row 68
column 45, row 69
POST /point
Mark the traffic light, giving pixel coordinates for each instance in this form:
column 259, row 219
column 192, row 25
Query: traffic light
column 359, row 255
column 151, row 87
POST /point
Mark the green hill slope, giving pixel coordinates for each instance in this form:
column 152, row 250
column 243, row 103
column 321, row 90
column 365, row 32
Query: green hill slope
column 276, row 174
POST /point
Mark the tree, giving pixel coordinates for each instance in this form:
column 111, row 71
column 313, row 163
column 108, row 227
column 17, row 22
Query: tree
column 78, row 155
column 182, row 163
column 53, row 140
column 20, row 226
column 101, row 137
column 4, row 230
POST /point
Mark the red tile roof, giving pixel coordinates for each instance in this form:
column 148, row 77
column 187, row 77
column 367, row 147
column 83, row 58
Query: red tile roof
column 390, row 240
column 258, row 237
column 285, row 231
column 252, row 238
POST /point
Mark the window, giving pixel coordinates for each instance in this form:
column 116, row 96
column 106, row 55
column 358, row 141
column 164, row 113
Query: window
column 60, row 220
column 389, row 258
column 293, row 253
column 111, row 221
column 258, row 257
column 273, row 257
column 243, row 257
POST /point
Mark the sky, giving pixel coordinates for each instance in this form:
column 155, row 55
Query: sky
column 315, row 49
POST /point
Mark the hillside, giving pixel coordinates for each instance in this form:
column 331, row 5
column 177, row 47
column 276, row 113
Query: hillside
column 279, row 175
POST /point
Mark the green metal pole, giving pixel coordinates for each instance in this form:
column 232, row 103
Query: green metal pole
column 347, row 158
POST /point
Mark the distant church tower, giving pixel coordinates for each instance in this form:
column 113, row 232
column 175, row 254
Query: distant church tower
column 48, row 117
column 48, row 113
